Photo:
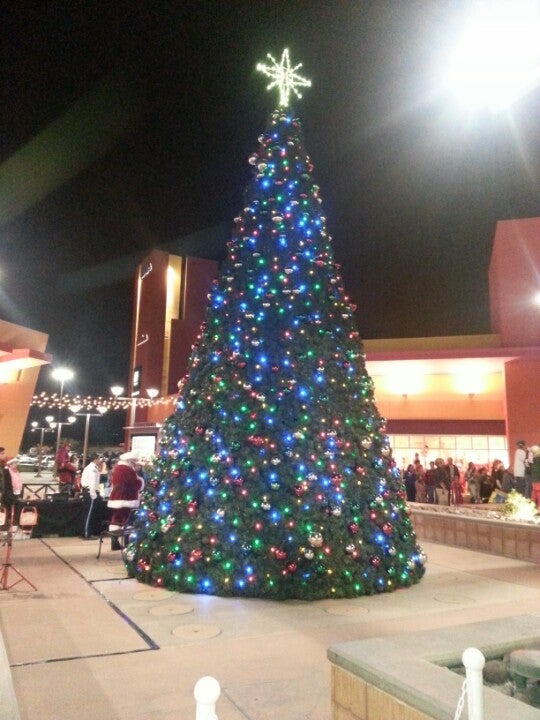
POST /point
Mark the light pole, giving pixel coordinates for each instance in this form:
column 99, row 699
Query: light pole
column 62, row 375
column 117, row 391
column 43, row 430
column 101, row 410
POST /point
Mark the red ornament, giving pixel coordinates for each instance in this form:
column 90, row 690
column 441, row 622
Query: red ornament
column 171, row 557
column 387, row 528
column 199, row 430
column 298, row 490
column 336, row 479
column 280, row 554
column 375, row 560
column 191, row 507
column 195, row 555
column 353, row 528
column 239, row 481
column 291, row 567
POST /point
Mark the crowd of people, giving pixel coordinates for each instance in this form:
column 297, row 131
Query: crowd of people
column 444, row 483
column 115, row 479
column 118, row 479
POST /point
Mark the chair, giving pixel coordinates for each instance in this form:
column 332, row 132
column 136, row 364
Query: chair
column 121, row 534
column 28, row 519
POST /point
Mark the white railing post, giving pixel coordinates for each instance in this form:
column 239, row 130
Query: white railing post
column 474, row 662
column 206, row 691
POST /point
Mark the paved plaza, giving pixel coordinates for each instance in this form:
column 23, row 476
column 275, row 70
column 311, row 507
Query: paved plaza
column 91, row 643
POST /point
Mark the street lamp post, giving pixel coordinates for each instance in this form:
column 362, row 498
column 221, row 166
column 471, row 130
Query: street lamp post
column 43, row 430
column 117, row 391
column 101, row 410
column 62, row 375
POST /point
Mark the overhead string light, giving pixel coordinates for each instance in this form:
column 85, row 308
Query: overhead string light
column 91, row 402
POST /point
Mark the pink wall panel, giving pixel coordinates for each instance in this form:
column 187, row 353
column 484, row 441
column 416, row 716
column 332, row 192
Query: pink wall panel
column 514, row 281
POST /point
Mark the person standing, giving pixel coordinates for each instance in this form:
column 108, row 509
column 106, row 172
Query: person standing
column 497, row 474
column 429, row 479
column 470, row 482
column 62, row 456
column 409, row 478
column 520, row 458
column 64, row 469
column 535, row 475
column 6, row 487
column 453, row 482
column 126, row 486
column 90, row 485
column 16, row 479
column 485, row 484
column 442, row 482
column 528, row 473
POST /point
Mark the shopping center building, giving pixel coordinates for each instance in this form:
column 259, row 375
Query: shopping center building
column 469, row 397
column 22, row 353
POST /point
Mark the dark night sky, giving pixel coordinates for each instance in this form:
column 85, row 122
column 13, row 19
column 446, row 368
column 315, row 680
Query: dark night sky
column 412, row 189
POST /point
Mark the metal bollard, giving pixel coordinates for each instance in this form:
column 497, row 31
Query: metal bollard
column 474, row 662
column 206, row 692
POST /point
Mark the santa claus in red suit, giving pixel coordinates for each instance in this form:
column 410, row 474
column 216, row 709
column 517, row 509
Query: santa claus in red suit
column 126, row 486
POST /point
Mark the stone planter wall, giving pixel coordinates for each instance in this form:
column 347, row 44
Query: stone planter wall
column 407, row 677
column 477, row 532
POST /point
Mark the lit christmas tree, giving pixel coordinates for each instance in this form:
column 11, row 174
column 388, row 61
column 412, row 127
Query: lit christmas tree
column 275, row 478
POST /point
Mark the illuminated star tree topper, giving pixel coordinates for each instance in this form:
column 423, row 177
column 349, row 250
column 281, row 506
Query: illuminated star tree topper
column 284, row 77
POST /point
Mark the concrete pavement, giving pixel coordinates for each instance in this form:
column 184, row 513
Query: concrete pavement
column 91, row 643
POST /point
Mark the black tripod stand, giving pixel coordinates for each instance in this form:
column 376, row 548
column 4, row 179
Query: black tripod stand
column 7, row 565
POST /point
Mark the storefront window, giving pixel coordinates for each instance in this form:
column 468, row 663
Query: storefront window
column 479, row 449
